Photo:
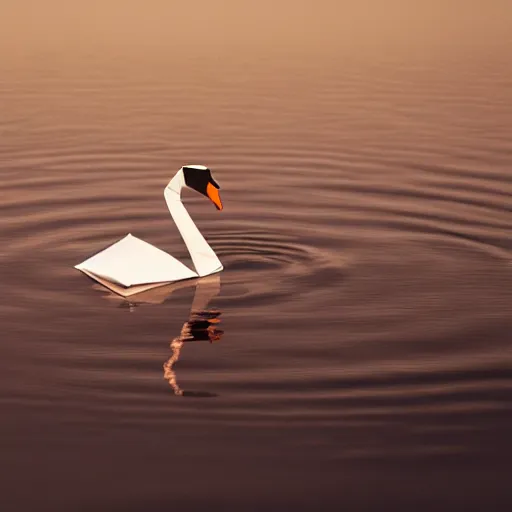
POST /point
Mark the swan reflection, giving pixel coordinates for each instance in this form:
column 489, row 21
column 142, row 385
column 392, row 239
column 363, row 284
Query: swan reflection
column 202, row 324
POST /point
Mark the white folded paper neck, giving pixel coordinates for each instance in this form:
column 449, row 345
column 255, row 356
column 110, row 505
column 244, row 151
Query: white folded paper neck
column 132, row 265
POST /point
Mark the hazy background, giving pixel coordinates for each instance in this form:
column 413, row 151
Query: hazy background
column 199, row 26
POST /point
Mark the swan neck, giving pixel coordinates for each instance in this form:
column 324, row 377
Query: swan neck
column 203, row 256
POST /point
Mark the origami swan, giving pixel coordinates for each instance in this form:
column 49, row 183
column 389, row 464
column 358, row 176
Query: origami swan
column 131, row 265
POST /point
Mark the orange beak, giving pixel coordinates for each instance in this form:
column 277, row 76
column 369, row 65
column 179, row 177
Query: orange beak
column 213, row 194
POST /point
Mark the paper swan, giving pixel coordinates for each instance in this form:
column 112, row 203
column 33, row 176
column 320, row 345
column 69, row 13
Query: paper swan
column 131, row 265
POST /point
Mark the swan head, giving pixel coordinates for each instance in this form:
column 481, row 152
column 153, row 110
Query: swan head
column 199, row 178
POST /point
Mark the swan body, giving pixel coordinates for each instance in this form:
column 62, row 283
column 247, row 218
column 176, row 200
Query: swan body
column 132, row 265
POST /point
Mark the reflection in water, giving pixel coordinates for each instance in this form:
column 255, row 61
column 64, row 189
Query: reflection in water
column 201, row 326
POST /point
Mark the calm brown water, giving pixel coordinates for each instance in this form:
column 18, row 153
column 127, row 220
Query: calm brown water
column 363, row 354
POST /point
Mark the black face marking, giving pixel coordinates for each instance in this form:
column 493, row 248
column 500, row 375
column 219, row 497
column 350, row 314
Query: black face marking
column 198, row 179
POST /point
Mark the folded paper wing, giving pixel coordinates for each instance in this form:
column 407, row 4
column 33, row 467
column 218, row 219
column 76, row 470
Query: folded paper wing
column 131, row 266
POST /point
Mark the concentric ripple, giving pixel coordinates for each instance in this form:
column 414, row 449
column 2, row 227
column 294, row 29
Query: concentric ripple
column 366, row 248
